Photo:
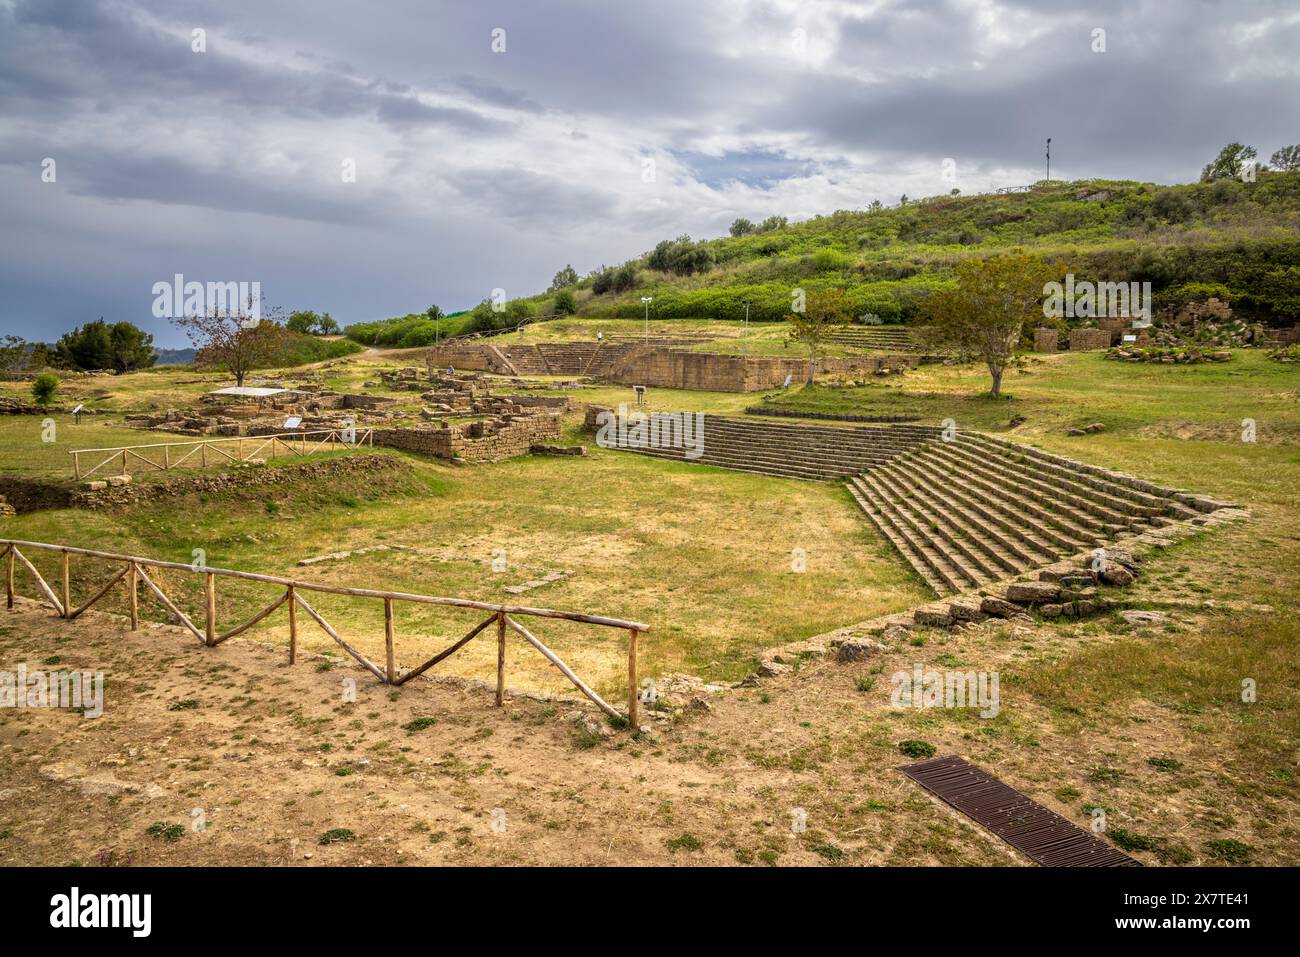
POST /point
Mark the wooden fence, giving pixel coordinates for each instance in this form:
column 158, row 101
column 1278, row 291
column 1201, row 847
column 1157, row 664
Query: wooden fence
column 244, row 449
column 134, row 572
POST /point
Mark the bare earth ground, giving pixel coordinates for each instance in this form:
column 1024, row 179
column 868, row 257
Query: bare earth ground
column 273, row 759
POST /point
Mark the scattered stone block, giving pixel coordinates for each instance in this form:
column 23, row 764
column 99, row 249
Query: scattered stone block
column 117, row 481
column 858, row 649
column 1033, row 592
column 1000, row 608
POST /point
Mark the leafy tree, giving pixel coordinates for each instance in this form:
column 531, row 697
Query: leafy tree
column 120, row 346
column 565, row 303
column 434, row 313
column 326, row 325
column 1286, row 159
column 303, row 321
column 986, row 311
column 614, row 279
column 771, row 223
column 568, row 276
column 15, row 354
column 741, row 227
column 236, row 342
column 1228, row 164
column 875, row 206
column 823, row 311
column 44, row 388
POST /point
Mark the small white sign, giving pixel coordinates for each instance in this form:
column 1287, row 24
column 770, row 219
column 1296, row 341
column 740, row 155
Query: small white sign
column 788, row 379
column 77, row 410
column 1130, row 338
column 292, row 422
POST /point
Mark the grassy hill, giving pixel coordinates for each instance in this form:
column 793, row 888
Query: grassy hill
column 1238, row 241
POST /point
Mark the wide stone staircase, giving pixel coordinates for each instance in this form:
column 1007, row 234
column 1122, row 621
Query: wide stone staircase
column 974, row 510
column 880, row 338
column 567, row 358
column 797, row 451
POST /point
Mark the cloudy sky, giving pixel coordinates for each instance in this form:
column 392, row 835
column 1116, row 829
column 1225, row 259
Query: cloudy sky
column 495, row 142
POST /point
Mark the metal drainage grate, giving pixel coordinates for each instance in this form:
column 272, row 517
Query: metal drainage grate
column 1037, row 832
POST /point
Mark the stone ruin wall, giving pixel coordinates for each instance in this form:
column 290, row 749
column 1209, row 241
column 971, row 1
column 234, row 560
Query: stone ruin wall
column 482, row 441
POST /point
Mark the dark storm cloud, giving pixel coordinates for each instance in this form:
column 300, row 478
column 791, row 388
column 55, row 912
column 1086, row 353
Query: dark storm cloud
column 480, row 169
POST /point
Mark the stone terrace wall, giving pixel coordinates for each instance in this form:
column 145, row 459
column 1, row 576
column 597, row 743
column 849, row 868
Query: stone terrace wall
column 716, row 372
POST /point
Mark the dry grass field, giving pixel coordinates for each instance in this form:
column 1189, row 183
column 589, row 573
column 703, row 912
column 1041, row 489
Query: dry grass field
column 1147, row 724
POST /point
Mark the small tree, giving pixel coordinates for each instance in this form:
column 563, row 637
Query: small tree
column 985, row 313
column 1286, row 159
column 302, row 321
column 15, row 354
column 567, row 276
column 326, row 325
column 434, row 313
column 44, row 388
column 823, row 311
column 1228, row 164
column 236, row 342
column 741, row 227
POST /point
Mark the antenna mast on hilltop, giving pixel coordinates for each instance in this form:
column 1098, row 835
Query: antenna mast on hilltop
column 1049, row 158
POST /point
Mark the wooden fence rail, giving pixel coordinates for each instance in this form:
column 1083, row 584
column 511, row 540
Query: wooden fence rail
column 245, row 448
column 134, row 572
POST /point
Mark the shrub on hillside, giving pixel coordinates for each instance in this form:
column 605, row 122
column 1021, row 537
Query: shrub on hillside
column 566, row 304
column 44, row 388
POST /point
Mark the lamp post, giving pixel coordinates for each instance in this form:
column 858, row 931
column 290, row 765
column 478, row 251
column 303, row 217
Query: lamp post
column 647, row 300
column 744, row 338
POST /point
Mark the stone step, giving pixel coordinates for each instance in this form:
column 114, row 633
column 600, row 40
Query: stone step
column 926, row 560
column 1026, row 550
column 963, row 538
column 953, row 568
column 1059, row 523
column 1045, row 531
column 1115, row 498
column 1045, row 488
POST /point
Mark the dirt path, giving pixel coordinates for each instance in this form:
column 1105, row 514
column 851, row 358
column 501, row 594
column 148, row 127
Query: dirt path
column 272, row 758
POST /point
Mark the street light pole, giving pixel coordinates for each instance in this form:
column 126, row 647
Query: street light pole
column 647, row 300
column 744, row 338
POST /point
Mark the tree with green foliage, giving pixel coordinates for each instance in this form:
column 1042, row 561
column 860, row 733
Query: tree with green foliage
column 741, row 227
column 566, row 304
column 985, row 313
column 824, row 310
column 120, row 346
column 15, row 354
column 1229, row 163
column 326, row 325
column 771, row 223
column 568, row 276
column 302, row 321
column 44, row 388
column 435, row 313
column 1286, row 159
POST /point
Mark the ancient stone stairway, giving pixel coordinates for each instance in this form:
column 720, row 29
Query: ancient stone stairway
column 974, row 510
column 813, row 452
column 884, row 338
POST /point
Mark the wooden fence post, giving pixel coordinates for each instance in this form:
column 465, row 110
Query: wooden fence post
column 67, row 588
column 633, row 716
column 133, row 595
column 391, row 669
column 210, row 600
column 293, row 626
column 9, row 578
column 167, row 457
column 501, row 658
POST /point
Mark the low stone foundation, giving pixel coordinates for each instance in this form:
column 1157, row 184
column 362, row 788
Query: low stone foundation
column 488, row 440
